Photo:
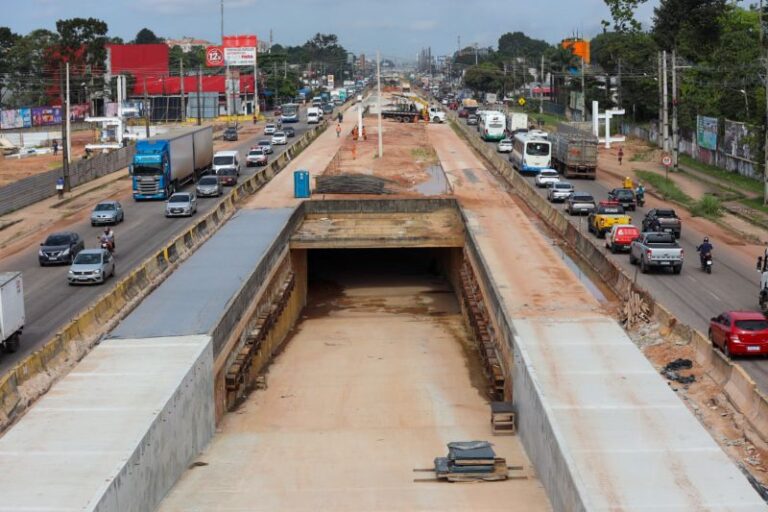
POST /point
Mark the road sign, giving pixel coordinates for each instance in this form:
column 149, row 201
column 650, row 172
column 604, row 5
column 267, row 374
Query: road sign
column 214, row 56
column 521, row 101
column 666, row 160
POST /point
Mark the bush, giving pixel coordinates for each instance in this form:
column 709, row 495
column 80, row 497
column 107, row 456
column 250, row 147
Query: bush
column 707, row 206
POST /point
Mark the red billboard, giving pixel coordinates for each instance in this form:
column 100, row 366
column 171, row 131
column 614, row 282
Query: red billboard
column 214, row 56
column 140, row 60
column 241, row 41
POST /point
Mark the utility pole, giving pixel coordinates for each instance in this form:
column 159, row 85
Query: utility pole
column 541, row 86
column 675, row 149
column 660, row 140
column 199, row 93
column 378, row 100
column 256, row 83
column 665, row 103
column 618, row 86
column 146, row 107
column 64, row 129
column 181, row 81
column 764, row 51
column 583, row 93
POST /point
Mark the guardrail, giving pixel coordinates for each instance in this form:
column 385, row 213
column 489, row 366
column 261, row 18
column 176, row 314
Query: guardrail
column 42, row 367
column 740, row 389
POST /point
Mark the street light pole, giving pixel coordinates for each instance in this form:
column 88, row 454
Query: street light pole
column 378, row 100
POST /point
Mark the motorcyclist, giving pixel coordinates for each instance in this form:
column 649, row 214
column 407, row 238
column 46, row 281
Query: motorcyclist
column 705, row 250
column 640, row 191
column 108, row 238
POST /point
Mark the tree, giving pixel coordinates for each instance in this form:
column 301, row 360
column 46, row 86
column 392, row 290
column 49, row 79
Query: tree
column 146, row 36
column 485, row 77
column 623, row 14
column 692, row 27
column 31, row 76
column 517, row 44
column 82, row 43
column 8, row 40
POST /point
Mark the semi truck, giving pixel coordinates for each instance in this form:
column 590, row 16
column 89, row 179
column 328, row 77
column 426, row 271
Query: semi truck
column 574, row 152
column 164, row 163
column 11, row 310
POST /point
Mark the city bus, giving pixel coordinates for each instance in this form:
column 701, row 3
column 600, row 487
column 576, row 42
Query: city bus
column 492, row 126
column 290, row 113
column 531, row 153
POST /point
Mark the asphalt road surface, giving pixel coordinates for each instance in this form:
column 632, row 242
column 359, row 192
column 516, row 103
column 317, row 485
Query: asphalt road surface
column 51, row 303
column 693, row 296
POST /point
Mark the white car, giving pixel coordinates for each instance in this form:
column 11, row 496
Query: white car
column 279, row 139
column 559, row 192
column 270, row 128
column 546, row 177
column 505, row 146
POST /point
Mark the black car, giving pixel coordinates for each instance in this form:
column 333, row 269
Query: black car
column 230, row 133
column 60, row 247
column 472, row 120
column 625, row 197
column 289, row 131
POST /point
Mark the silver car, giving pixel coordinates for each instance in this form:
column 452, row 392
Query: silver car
column 181, row 204
column 279, row 138
column 270, row 128
column 266, row 145
column 107, row 212
column 91, row 266
column 559, row 191
column 209, row 186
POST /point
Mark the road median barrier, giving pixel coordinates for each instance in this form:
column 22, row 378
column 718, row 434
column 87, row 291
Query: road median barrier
column 31, row 377
column 737, row 386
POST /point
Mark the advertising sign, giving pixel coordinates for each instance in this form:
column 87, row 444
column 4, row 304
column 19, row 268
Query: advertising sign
column 331, row 82
column 46, row 116
column 214, row 56
column 706, row 132
column 240, row 56
column 16, row 118
column 736, row 140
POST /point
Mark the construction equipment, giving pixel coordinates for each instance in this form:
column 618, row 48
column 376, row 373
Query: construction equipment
column 470, row 461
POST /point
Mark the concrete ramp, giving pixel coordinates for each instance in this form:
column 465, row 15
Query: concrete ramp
column 115, row 433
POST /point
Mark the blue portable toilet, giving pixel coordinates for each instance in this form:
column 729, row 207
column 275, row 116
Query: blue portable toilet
column 301, row 184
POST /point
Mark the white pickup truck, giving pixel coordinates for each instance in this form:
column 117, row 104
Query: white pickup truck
column 11, row 310
column 436, row 115
column 656, row 250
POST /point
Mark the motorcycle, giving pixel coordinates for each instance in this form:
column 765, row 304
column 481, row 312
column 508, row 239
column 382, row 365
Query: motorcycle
column 107, row 244
column 640, row 197
column 706, row 263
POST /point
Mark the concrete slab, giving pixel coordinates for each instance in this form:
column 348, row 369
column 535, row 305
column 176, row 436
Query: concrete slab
column 94, row 441
column 197, row 294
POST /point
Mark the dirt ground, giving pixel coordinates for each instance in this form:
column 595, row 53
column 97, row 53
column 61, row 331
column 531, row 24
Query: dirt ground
column 706, row 401
column 13, row 169
column 408, row 157
column 373, row 384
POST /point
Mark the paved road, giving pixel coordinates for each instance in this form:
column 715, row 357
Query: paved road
column 693, row 296
column 51, row 302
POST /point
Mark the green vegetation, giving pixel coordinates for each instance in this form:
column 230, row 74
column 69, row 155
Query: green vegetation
column 731, row 178
column 755, row 203
column 642, row 156
column 665, row 188
column 424, row 155
column 708, row 206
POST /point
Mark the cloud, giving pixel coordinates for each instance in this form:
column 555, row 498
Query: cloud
column 423, row 25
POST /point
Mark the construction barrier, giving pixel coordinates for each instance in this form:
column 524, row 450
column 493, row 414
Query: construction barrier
column 75, row 339
column 740, row 389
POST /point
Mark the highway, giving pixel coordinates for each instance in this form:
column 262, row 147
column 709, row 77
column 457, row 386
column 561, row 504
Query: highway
column 693, row 296
column 51, row 303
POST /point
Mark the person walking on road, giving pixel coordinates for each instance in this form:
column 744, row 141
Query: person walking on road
column 338, row 130
column 60, row 186
column 621, row 154
column 339, row 117
column 55, row 144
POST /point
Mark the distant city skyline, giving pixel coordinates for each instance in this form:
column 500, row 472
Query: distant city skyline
column 398, row 28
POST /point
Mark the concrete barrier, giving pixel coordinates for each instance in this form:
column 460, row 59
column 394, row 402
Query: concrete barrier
column 76, row 338
column 737, row 385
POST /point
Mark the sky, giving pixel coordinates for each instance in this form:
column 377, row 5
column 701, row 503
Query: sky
column 398, row 28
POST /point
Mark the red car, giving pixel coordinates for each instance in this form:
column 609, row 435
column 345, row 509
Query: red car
column 740, row 333
column 620, row 237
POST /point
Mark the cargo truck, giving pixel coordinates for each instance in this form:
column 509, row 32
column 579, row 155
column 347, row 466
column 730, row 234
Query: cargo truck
column 164, row 163
column 11, row 310
column 517, row 122
column 574, row 152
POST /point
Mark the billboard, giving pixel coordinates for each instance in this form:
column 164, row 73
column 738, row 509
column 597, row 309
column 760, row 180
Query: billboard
column 46, row 116
column 16, row 118
column 331, row 81
column 140, row 60
column 579, row 47
column 706, row 132
column 214, row 57
column 736, row 140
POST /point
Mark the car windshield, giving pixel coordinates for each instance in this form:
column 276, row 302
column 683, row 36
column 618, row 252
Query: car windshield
column 562, row 186
column 256, row 152
column 223, row 160
column 227, row 172
column 264, row 143
column 279, row 134
column 208, row 180
column 88, row 258
column 583, row 198
column 271, row 126
column 622, row 192
column 231, row 131
column 104, row 207
column 752, row 325
column 548, row 174
column 537, row 149
column 179, row 198
column 57, row 240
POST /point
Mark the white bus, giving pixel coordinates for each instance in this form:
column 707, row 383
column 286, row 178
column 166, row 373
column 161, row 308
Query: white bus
column 530, row 154
column 290, row 113
column 492, row 126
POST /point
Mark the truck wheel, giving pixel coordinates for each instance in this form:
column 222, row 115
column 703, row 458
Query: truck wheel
column 12, row 344
column 676, row 269
column 435, row 119
column 632, row 260
column 643, row 266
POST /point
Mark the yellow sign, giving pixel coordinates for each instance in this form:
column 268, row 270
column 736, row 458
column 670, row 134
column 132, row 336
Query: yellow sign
column 521, row 101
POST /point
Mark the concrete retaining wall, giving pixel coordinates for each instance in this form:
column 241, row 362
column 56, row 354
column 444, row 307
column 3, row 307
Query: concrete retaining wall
column 41, row 186
column 75, row 339
column 738, row 386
